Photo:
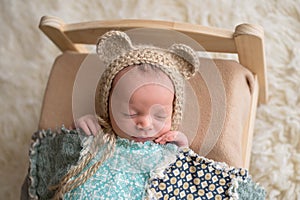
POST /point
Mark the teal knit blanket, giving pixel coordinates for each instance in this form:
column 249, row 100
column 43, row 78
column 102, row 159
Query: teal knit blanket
column 52, row 154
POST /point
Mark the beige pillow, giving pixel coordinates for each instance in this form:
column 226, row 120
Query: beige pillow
column 238, row 83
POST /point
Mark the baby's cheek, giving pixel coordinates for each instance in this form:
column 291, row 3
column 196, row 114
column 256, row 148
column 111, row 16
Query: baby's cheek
column 166, row 127
column 123, row 124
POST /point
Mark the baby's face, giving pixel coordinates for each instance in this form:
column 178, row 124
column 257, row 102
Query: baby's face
column 140, row 109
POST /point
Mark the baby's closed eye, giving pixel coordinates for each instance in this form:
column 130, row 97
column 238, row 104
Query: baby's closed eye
column 160, row 117
column 130, row 115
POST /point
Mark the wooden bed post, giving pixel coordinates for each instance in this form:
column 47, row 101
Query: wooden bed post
column 250, row 48
column 249, row 40
column 54, row 28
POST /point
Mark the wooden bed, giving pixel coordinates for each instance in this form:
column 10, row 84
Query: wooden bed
column 72, row 39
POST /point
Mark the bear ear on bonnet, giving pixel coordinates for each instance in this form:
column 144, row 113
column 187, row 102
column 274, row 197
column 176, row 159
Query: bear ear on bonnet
column 113, row 44
column 189, row 55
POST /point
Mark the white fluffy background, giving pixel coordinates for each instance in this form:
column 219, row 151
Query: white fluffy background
column 27, row 56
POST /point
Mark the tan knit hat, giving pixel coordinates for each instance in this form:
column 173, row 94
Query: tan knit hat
column 117, row 52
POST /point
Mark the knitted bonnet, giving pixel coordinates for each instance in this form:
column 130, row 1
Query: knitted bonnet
column 117, row 52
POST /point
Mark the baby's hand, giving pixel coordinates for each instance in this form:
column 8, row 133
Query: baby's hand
column 89, row 124
column 176, row 137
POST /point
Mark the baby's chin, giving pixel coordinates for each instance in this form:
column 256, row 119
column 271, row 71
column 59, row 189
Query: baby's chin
column 142, row 139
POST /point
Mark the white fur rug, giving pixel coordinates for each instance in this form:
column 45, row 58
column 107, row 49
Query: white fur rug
column 27, row 56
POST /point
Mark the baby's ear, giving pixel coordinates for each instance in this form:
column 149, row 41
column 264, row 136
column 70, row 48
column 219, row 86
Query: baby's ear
column 189, row 55
column 113, row 44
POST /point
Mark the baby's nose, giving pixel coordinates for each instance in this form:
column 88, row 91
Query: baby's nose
column 145, row 123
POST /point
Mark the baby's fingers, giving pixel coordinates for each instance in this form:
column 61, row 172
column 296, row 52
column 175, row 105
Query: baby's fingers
column 84, row 127
column 93, row 126
column 160, row 140
column 167, row 137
